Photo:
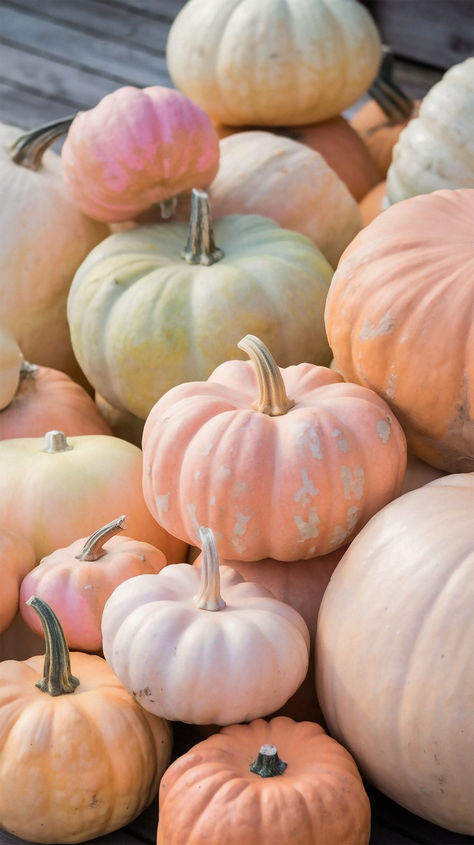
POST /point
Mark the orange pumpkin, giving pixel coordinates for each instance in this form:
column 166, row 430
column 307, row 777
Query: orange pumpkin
column 267, row 782
column 17, row 557
column 373, row 203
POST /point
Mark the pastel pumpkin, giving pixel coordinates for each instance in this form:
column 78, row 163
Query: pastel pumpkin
column 374, row 202
column 136, row 148
column 17, row 557
column 284, row 463
column 10, row 365
column 204, row 646
column 54, row 489
column 394, row 661
column 156, row 306
column 279, row 781
column 76, row 581
column 399, row 316
column 273, row 64
column 77, row 751
column 44, row 240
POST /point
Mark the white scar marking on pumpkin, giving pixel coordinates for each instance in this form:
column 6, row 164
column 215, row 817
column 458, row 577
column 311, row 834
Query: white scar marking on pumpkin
column 207, row 449
column 240, row 487
column 307, row 436
column 391, row 386
column 213, row 500
column 307, row 491
column 353, row 482
column 384, row 428
column 308, row 530
column 340, row 534
column 384, row 326
column 223, row 472
column 240, row 526
column 194, row 520
column 342, row 442
column 197, row 474
column 162, row 503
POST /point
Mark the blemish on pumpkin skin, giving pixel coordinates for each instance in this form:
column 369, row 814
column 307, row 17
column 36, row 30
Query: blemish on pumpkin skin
column 308, row 530
column 385, row 325
column 194, row 520
column 207, row 449
column 340, row 534
column 308, row 491
column 162, row 503
column 384, row 428
column 353, row 482
column 341, row 441
column 240, row 526
column 308, row 438
column 223, row 473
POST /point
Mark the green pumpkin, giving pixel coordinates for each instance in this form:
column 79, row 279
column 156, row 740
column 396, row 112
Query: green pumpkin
column 159, row 305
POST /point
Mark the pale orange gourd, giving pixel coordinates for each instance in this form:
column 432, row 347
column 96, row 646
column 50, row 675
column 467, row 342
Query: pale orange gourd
column 267, row 782
column 373, row 203
column 80, row 758
column 17, row 557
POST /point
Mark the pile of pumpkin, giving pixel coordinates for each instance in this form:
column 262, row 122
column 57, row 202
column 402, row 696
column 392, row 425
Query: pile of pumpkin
column 174, row 288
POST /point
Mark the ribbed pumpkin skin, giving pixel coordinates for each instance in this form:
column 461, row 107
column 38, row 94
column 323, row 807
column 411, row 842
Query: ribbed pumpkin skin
column 290, row 487
column 394, row 661
column 209, row 794
column 400, row 315
column 272, row 63
column 142, row 320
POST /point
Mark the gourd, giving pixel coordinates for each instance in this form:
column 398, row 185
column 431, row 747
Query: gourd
column 44, row 240
column 204, row 646
column 16, row 559
column 436, row 149
column 145, row 316
column 137, row 148
column 54, row 489
column 77, row 580
column 399, row 317
column 373, row 203
column 45, row 399
column 263, row 173
column 276, row 781
column 273, row 64
column 255, row 442
column 394, row 651
column 80, row 758
column 10, row 365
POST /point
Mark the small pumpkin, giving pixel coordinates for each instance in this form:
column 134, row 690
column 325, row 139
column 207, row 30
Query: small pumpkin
column 273, row 64
column 77, row 751
column 159, row 305
column 254, row 442
column 77, row 580
column 204, row 646
column 10, row 366
column 17, row 557
column 373, row 203
column 136, row 148
column 276, row 781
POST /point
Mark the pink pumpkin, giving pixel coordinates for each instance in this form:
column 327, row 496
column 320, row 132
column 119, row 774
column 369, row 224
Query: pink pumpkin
column 135, row 148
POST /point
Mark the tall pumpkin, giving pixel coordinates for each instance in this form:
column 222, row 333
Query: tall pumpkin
column 273, row 64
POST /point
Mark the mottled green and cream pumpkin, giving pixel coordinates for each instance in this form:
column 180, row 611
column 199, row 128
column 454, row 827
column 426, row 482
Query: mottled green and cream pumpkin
column 145, row 316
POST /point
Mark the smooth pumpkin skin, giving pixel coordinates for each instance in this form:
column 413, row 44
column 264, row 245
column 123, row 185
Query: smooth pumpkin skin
column 84, row 763
column 10, row 364
column 209, row 795
column 327, row 464
column 54, row 498
column 264, row 173
column 399, row 317
column 436, row 149
column 374, row 202
column 273, row 64
column 45, row 237
column 142, row 320
column 17, row 557
column 137, row 147
column 46, row 399
column 408, row 721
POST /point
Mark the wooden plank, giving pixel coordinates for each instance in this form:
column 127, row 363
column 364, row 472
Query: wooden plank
column 27, row 109
column 60, row 42
column 167, row 9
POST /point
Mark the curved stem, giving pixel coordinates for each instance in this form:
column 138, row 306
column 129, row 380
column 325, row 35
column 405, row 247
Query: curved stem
column 28, row 149
column 391, row 99
column 267, row 763
column 93, row 547
column 200, row 248
column 55, row 441
column 209, row 597
column 57, row 679
column 273, row 399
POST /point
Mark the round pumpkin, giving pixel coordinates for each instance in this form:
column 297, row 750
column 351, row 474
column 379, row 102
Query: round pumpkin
column 276, row 781
column 156, row 306
column 17, row 557
column 136, row 148
column 394, row 661
column 373, row 203
column 399, row 317
column 10, row 367
column 80, row 758
column 284, row 463
column 273, row 64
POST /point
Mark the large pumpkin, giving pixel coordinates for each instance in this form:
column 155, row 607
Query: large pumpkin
column 284, row 463
column 146, row 316
column 394, row 649
column 399, row 318
column 273, row 64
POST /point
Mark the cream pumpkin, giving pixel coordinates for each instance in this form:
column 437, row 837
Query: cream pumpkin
column 10, row 366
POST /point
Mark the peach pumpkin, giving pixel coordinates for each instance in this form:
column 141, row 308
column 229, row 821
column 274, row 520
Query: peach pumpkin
column 17, row 557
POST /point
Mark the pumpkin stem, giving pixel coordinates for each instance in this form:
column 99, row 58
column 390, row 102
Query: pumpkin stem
column 27, row 370
column 93, row 547
column 386, row 93
column 209, row 597
column 58, row 679
column 267, row 763
column 200, row 248
column 28, row 149
column 273, row 399
column 168, row 207
column 55, row 441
